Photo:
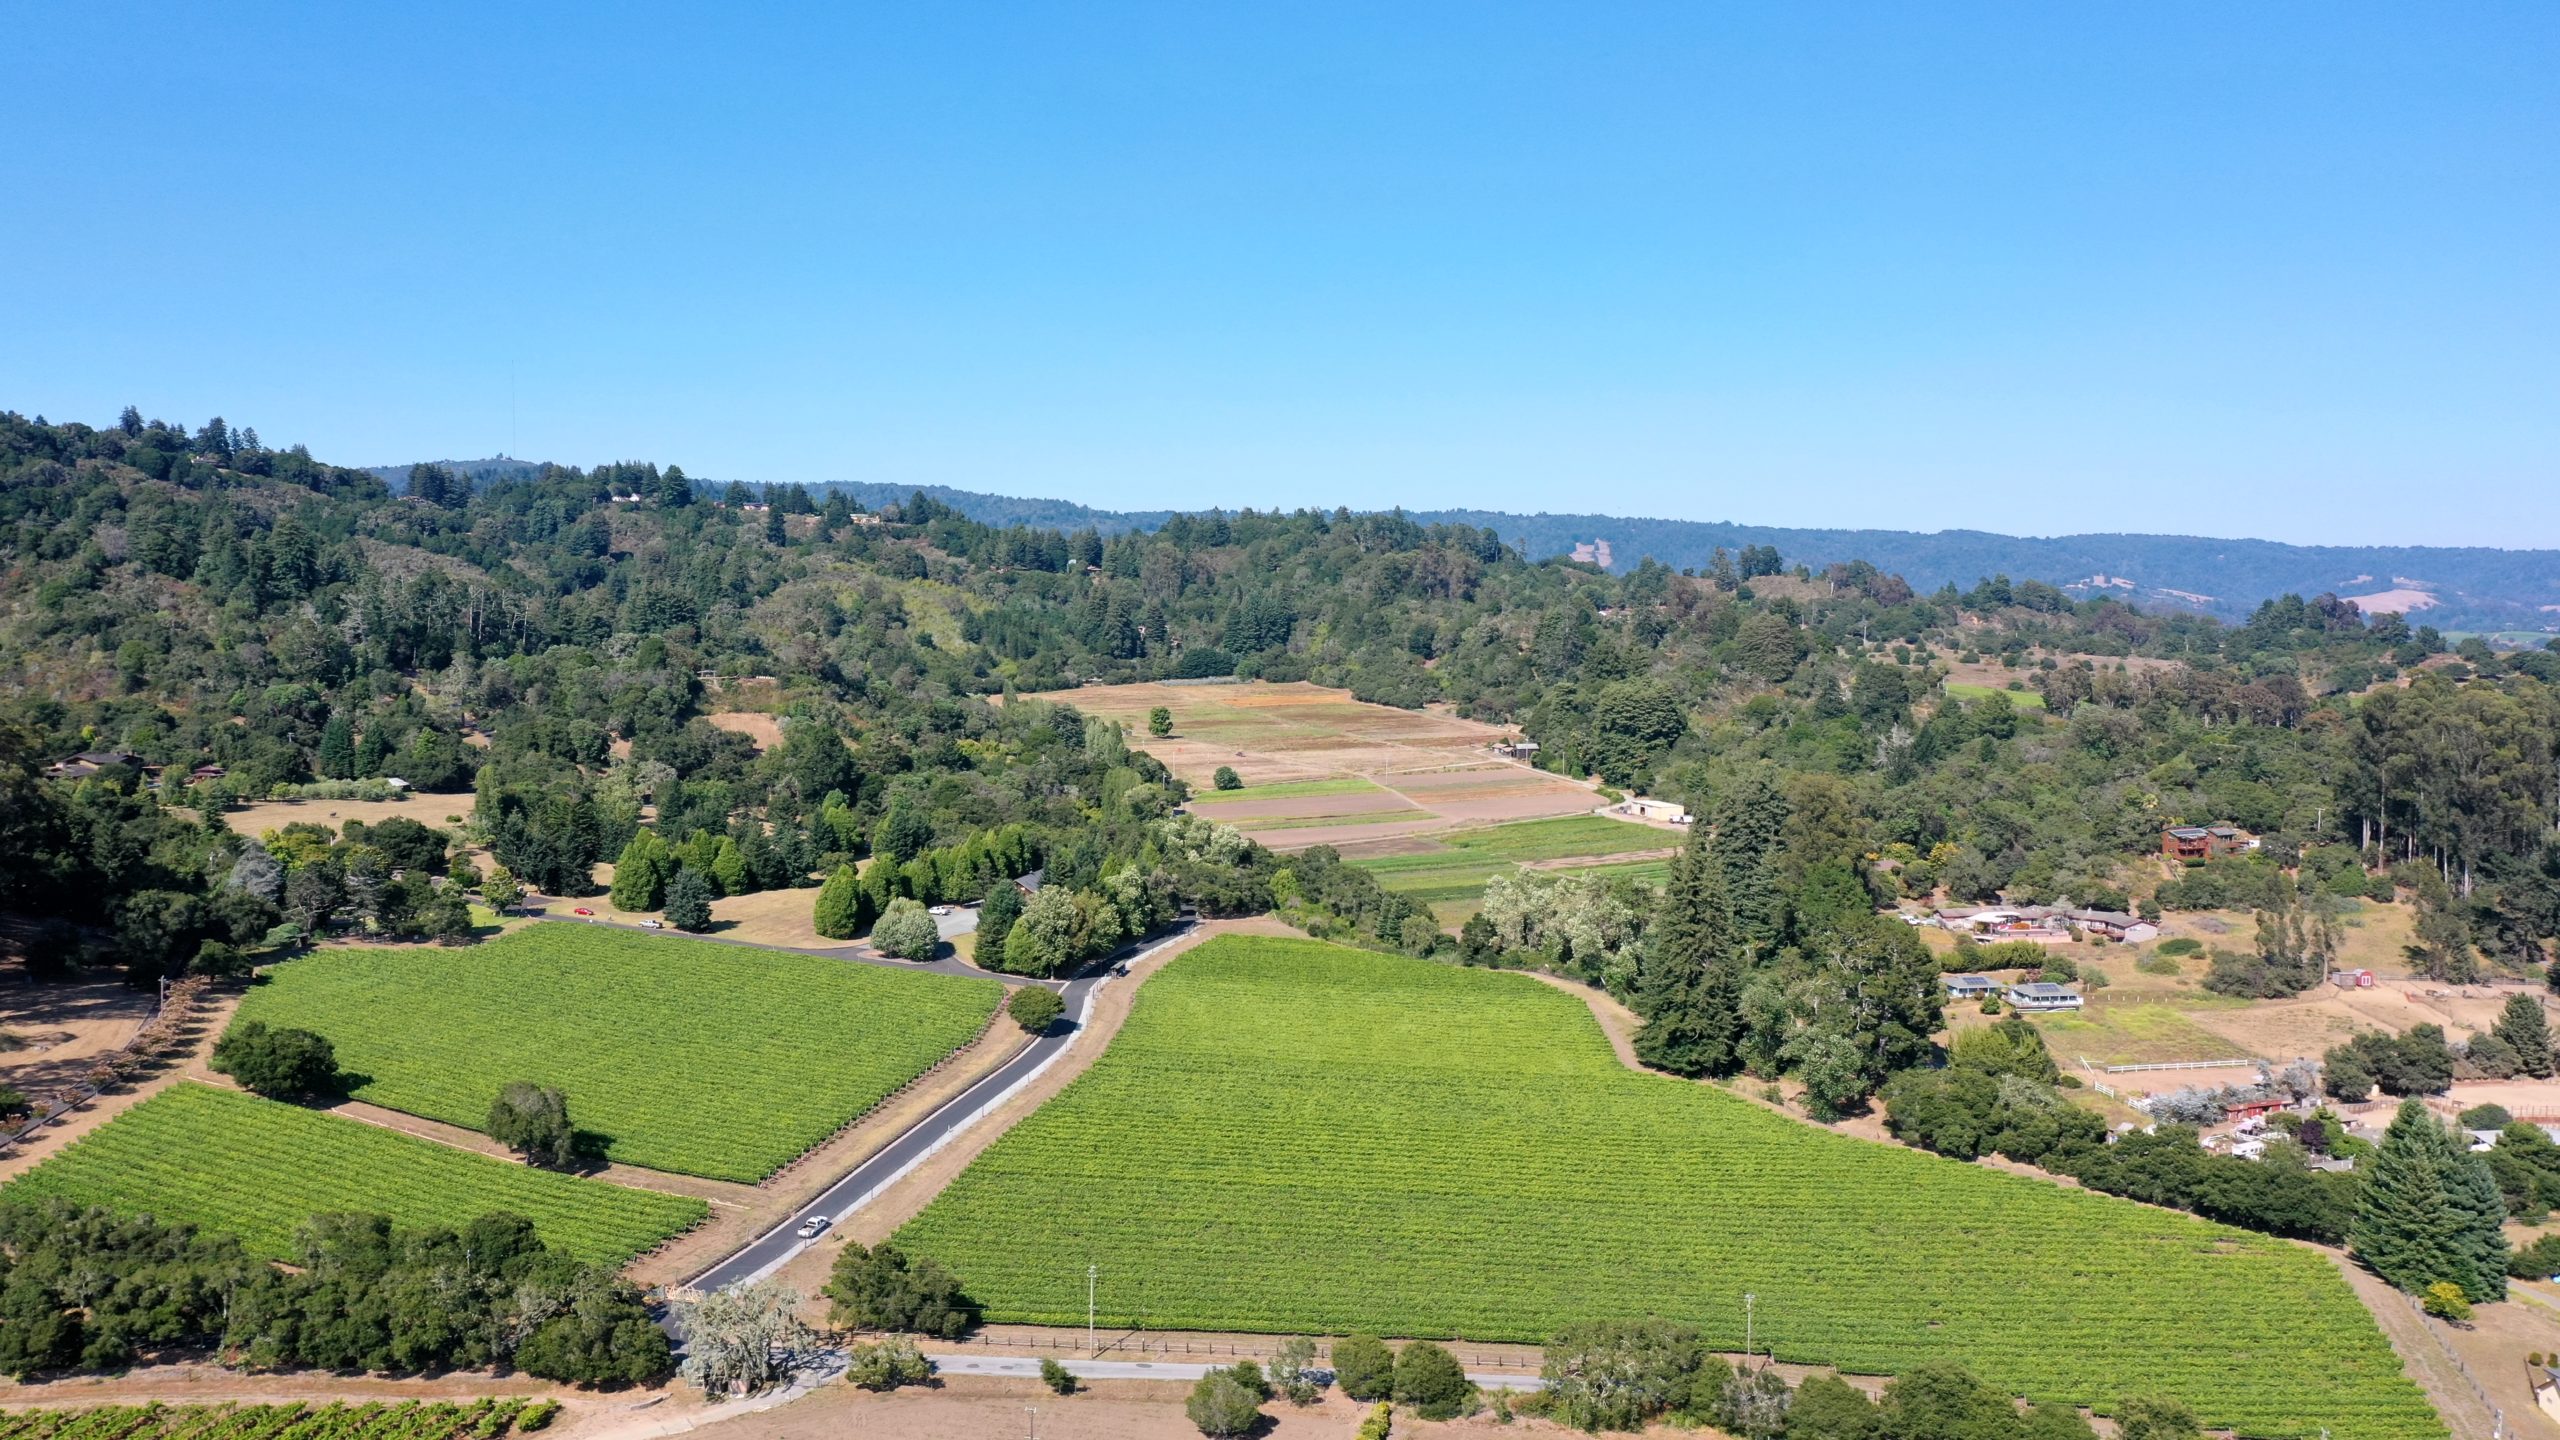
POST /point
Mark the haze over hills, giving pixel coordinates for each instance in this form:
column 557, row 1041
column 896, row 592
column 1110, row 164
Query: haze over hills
column 2466, row 588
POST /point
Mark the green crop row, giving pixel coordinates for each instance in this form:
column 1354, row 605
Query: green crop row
column 1286, row 790
column 718, row 1060
column 1295, row 1137
column 257, row 1169
column 404, row 1420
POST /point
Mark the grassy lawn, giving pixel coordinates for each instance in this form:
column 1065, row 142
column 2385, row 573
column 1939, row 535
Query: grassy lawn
column 2023, row 699
column 1294, row 1137
column 1467, row 859
column 709, row 1059
column 1288, row 790
column 2136, row 1034
column 257, row 1169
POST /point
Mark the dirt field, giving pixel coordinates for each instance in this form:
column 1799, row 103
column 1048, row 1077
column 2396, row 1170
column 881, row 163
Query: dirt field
column 1433, row 771
column 211, row 1016
column 62, row 1025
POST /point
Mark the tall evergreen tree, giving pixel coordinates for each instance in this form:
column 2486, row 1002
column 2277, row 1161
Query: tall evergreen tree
column 1689, row 987
column 640, row 875
column 839, row 913
column 337, row 760
column 2431, row 1212
column 1747, row 822
column 2527, row 1033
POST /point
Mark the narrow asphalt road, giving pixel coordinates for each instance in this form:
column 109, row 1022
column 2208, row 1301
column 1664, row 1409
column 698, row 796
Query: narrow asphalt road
column 1029, row 1365
column 857, row 1187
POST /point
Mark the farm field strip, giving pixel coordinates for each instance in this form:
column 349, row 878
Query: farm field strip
column 1422, row 1150
column 257, row 1169
column 715, row 1060
column 1465, row 859
column 1288, row 790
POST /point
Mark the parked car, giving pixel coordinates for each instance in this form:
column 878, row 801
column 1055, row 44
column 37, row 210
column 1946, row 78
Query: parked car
column 582, row 910
column 939, row 910
column 653, row 925
column 814, row 1226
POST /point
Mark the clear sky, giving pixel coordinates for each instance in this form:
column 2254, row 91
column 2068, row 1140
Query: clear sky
column 2288, row 270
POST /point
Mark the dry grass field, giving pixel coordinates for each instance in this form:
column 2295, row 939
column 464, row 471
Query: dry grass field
column 438, row 812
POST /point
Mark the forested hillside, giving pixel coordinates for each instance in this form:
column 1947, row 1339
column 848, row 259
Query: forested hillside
column 555, row 642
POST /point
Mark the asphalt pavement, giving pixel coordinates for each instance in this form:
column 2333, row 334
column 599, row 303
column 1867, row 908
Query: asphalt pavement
column 858, row 1186
column 973, row 1363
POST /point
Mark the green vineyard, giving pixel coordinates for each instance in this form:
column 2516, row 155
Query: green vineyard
column 1469, row 858
column 684, row 1055
column 1289, row 1136
column 257, row 1169
column 402, row 1420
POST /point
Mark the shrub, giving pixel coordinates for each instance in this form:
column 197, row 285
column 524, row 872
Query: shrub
column 1294, row 1370
column 1035, row 1008
column 279, row 1064
column 1227, row 779
column 886, row 1365
column 906, row 931
column 1221, row 1406
column 2486, row 1117
column 1382, row 1419
column 2537, row 1261
column 2182, row 945
column 2445, row 1301
column 1429, row 1379
column 2158, row 963
column 879, row 1288
column 1364, row 1367
column 537, row 1415
column 1057, row 1377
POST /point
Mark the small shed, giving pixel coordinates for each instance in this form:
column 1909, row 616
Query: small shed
column 1030, row 884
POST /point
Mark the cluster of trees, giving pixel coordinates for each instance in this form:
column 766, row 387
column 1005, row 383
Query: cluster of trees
column 1766, row 955
column 2000, row 1094
column 1626, row 1375
column 87, row 1291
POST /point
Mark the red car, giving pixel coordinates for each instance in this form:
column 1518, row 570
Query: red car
column 582, row 910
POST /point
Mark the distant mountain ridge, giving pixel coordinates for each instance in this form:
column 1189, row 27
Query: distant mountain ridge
column 2451, row 587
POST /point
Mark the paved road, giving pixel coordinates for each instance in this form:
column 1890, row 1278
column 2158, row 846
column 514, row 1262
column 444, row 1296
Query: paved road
column 857, row 1187
column 558, row 911
column 976, row 1363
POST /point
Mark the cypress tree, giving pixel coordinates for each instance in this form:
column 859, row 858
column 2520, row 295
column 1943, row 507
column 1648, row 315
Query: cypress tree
column 1748, row 822
column 995, row 918
column 337, row 748
column 729, row 867
column 2526, row 1032
column 2431, row 1211
column 1688, row 988
column 640, row 876
column 839, row 910
column 689, row 900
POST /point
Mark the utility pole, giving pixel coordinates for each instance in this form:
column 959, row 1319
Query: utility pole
column 1091, row 1274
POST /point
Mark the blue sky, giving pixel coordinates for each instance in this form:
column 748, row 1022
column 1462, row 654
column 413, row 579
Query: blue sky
column 2286, row 270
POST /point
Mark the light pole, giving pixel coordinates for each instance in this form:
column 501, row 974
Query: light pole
column 1034, row 1412
column 1748, row 1300
column 1091, row 1274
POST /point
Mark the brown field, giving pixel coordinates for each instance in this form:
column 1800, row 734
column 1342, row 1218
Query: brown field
column 429, row 810
column 62, row 1025
column 1433, row 764
column 764, row 730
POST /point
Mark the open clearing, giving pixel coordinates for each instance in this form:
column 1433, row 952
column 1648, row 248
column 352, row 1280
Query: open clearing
column 257, row 1169
column 1454, row 867
column 1417, row 1149
column 428, row 810
column 714, row 1060
column 1307, row 753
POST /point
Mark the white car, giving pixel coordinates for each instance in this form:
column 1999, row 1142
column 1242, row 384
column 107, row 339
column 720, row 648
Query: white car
column 814, row 1226
column 652, row 925
column 939, row 910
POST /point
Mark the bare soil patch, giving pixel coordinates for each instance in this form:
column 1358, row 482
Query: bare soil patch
column 63, row 1025
column 212, row 1014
